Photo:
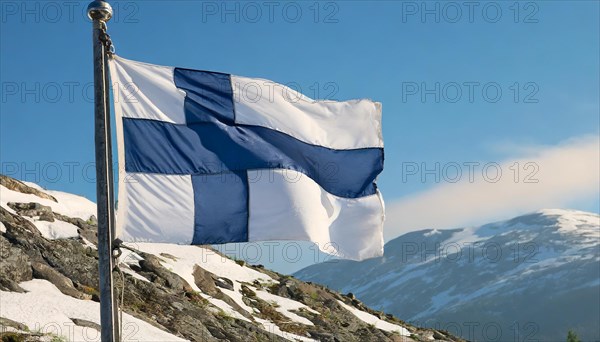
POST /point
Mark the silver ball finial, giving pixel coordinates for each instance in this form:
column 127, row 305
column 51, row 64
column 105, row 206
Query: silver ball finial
column 99, row 10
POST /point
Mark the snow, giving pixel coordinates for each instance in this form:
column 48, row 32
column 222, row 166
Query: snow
column 574, row 221
column 34, row 185
column 591, row 218
column 463, row 237
column 227, row 309
column 55, row 230
column 186, row 257
column 189, row 256
column 274, row 329
column 74, row 205
column 370, row 319
column 127, row 259
column 44, row 308
column 223, row 306
column 237, row 296
column 88, row 244
column 432, row 232
column 50, row 230
column 6, row 207
column 226, row 268
column 68, row 204
column 2, row 228
column 284, row 305
column 183, row 266
column 127, row 270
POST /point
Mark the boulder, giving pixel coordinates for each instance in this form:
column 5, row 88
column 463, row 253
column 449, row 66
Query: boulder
column 151, row 263
column 64, row 284
column 33, row 209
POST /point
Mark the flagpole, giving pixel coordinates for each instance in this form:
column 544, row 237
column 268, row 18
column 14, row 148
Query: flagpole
column 100, row 12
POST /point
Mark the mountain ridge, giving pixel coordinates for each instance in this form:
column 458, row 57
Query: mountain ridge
column 517, row 276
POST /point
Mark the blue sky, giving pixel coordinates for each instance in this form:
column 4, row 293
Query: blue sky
column 500, row 82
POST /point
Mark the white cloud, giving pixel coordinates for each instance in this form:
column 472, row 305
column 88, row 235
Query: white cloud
column 567, row 173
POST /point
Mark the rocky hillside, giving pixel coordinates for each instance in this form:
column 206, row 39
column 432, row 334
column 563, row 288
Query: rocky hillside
column 48, row 287
column 531, row 278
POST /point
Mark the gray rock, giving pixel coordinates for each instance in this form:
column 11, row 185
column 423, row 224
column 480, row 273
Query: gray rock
column 33, row 209
column 15, row 265
column 86, row 324
column 223, row 283
column 5, row 322
column 15, row 185
column 177, row 305
column 16, row 225
column 168, row 256
column 204, row 280
column 90, row 235
column 438, row 336
column 64, row 284
column 321, row 336
column 10, row 286
column 151, row 263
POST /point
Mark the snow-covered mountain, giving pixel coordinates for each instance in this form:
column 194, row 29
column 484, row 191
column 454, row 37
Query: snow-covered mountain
column 531, row 278
column 49, row 277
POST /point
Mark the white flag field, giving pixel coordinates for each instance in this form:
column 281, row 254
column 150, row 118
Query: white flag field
column 210, row 158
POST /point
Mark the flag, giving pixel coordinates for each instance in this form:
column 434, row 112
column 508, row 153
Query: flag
column 209, row 158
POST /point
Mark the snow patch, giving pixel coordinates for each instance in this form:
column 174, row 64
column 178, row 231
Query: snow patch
column 46, row 309
column 227, row 309
column 432, row 232
column 55, row 230
column 464, row 236
column 127, row 270
column 68, row 204
column 188, row 256
column 237, row 296
column 284, row 305
column 127, row 259
column 34, row 185
column 370, row 319
column 88, row 244
column 5, row 206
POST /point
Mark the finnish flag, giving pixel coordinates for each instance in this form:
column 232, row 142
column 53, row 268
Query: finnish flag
column 210, row 158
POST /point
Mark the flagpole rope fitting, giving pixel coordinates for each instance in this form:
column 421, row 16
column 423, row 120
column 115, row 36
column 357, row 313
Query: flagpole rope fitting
column 116, row 250
column 106, row 41
column 102, row 11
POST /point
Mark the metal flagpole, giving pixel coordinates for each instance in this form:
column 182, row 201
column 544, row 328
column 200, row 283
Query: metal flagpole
column 100, row 12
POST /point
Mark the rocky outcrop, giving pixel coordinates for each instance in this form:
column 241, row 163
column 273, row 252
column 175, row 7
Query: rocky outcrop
column 160, row 296
column 16, row 185
column 32, row 210
column 42, row 270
